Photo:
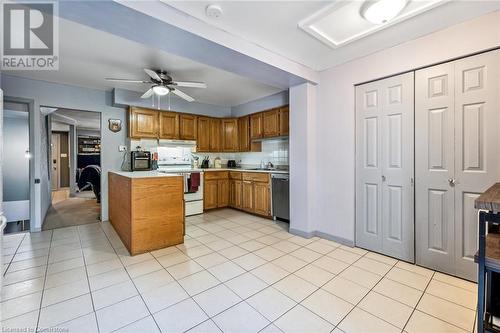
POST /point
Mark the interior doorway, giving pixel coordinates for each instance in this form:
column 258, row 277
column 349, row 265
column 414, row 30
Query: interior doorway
column 16, row 166
column 75, row 160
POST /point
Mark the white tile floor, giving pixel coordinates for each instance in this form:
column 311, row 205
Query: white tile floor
column 234, row 273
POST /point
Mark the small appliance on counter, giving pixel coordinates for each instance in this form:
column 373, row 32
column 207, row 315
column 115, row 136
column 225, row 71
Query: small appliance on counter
column 231, row 163
column 205, row 164
column 140, row 161
column 217, row 163
column 196, row 162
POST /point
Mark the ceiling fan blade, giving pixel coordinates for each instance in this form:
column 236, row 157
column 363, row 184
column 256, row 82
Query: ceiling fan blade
column 152, row 74
column 190, row 84
column 126, row 80
column 183, row 95
column 148, row 93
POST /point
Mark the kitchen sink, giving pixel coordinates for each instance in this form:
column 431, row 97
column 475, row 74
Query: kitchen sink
column 263, row 169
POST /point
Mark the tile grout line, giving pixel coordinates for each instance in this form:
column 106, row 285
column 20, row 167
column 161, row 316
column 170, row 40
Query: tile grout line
column 370, row 290
column 44, row 282
column 419, row 299
column 131, row 280
column 15, row 252
column 293, row 273
column 88, row 279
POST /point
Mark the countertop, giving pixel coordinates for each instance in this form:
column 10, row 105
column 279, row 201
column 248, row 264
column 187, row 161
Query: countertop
column 144, row 174
column 243, row 170
column 489, row 200
column 148, row 174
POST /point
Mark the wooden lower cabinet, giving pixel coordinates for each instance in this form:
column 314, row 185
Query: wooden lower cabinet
column 210, row 197
column 247, row 196
column 261, row 199
column 235, row 193
column 216, row 189
column 222, row 193
column 248, row 191
column 147, row 213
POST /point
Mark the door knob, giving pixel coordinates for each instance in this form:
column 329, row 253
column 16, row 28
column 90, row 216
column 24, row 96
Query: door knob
column 452, row 181
column 383, row 178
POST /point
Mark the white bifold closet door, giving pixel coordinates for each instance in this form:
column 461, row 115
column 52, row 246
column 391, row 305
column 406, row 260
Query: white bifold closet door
column 457, row 157
column 384, row 166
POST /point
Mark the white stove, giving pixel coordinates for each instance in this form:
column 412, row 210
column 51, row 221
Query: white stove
column 178, row 160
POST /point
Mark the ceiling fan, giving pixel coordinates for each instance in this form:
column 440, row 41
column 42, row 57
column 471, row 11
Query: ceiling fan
column 162, row 84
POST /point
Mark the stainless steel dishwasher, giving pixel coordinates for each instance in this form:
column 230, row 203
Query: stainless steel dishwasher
column 280, row 187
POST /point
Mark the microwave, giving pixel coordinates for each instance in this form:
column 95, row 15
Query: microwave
column 140, row 161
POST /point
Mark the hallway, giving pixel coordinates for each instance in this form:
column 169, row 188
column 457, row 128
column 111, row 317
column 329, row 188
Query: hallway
column 69, row 211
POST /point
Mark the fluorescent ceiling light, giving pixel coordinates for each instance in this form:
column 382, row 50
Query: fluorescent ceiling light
column 382, row 11
column 160, row 90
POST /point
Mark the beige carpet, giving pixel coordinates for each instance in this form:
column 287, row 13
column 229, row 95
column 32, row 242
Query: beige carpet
column 72, row 211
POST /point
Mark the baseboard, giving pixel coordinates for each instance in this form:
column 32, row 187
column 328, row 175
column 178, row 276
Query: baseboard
column 340, row 240
column 323, row 235
column 302, row 233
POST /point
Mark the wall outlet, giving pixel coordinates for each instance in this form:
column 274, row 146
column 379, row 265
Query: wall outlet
column 122, row 148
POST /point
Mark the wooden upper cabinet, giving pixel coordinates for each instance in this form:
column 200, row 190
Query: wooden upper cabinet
column 203, row 136
column 215, row 135
column 271, row 123
column 230, row 135
column 143, row 123
column 284, row 120
column 244, row 133
column 169, row 125
column 187, row 127
column 256, row 126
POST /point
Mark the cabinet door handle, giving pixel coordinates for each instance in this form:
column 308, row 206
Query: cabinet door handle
column 452, row 181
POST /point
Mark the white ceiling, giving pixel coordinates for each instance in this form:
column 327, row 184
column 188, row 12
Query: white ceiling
column 87, row 56
column 274, row 25
column 87, row 120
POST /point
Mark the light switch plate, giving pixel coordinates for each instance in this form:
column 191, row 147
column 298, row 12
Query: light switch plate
column 122, row 148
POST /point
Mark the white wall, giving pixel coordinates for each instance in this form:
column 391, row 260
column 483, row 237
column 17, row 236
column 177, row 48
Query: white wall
column 261, row 104
column 302, row 157
column 333, row 205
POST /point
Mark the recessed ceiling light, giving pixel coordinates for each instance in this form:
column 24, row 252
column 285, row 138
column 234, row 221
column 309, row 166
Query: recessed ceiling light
column 382, row 11
column 160, row 90
column 213, row 11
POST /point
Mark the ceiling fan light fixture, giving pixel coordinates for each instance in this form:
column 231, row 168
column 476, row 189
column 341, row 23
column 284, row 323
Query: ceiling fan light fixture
column 382, row 11
column 161, row 90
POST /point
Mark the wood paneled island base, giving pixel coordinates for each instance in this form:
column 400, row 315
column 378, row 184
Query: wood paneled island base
column 147, row 209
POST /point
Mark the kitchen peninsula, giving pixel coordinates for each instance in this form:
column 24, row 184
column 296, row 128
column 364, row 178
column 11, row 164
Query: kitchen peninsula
column 146, row 209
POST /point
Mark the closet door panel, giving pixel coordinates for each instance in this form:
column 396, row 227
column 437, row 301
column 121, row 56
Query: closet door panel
column 397, row 167
column 368, row 167
column 434, row 167
column 477, row 140
column 384, row 167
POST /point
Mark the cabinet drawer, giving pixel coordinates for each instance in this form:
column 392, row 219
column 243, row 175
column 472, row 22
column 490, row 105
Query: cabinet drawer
column 215, row 175
column 235, row 175
column 256, row 177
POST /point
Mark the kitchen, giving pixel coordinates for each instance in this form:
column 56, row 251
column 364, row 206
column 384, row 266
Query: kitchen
column 383, row 113
column 173, row 143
